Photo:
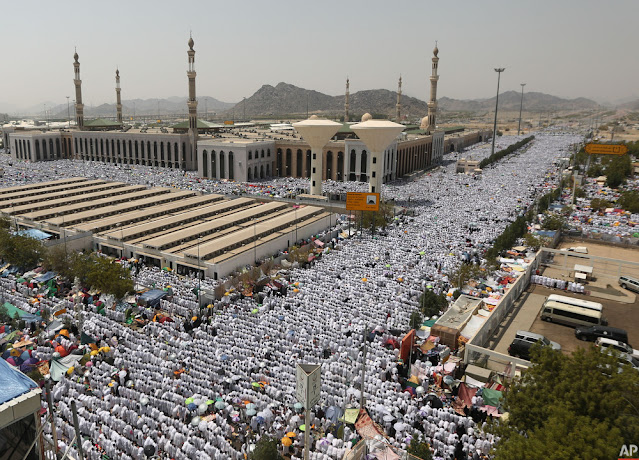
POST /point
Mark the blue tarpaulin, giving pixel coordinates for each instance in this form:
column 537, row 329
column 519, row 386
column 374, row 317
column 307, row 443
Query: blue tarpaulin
column 45, row 277
column 152, row 298
column 35, row 233
column 13, row 383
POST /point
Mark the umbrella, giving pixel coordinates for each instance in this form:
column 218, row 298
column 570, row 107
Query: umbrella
column 256, row 385
column 220, row 405
column 290, row 434
column 250, row 406
column 192, row 406
column 251, row 412
column 255, row 311
column 303, row 427
column 298, row 406
column 388, row 418
column 209, row 402
column 399, row 426
column 188, row 401
column 286, row 441
column 235, row 416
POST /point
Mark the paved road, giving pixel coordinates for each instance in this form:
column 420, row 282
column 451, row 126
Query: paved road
column 525, row 313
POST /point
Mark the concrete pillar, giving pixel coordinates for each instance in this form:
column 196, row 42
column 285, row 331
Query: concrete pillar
column 317, row 166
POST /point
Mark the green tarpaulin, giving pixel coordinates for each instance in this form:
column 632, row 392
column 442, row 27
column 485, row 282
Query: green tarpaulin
column 12, row 310
column 491, row 397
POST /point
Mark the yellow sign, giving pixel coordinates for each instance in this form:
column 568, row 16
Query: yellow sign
column 229, row 122
column 356, row 201
column 606, row 149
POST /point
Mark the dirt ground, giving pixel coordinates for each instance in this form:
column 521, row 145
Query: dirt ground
column 602, row 250
column 621, row 315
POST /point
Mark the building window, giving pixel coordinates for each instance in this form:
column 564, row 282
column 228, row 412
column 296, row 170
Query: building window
column 314, row 156
column 313, row 170
column 374, row 160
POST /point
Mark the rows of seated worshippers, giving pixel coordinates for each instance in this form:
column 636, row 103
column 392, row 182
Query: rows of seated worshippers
column 17, row 172
column 157, row 388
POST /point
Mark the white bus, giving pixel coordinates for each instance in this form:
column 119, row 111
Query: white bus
column 562, row 299
column 571, row 315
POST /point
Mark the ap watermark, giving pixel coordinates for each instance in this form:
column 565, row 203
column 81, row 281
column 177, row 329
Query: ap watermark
column 629, row 452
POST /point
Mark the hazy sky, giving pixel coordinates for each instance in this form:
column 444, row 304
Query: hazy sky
column 568, row 48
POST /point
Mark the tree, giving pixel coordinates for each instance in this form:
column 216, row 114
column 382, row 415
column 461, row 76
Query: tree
column 4, row 314
column 101, row 273
column 60, row 261
column 553, row 222
column 416, row 320
column 579, row 192
column 595, row 170
column 465, row 273
column 21, row 251
column 629, row 201
column 570, row 406
column 265, row 449
column 419, row 449
column 381, row 218
column 599, row 204
column 618, row 170
column 534, row 242
column 431, row 303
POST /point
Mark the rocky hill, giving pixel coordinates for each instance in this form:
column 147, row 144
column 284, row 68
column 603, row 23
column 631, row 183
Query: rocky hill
column 510, row 100
column 287, row 99
column 149, row 107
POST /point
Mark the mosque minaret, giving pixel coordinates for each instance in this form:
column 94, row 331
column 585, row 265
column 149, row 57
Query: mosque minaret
column 398, row 106
column 192, row 102
column 118, row 104
column 432, row 103
column 346, row 106
column 79, row 106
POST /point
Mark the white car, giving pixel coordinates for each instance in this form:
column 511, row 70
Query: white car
column 624, row 348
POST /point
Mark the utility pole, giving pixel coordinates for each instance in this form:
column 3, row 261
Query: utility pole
column 76, row 425
column 499, row 70
column 521, row 105
column 361, row 394
column 54, row 433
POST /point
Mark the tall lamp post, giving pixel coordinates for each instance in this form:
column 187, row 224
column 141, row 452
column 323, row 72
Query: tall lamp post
column 499, row 70
column 521, row 105
column 199, row 286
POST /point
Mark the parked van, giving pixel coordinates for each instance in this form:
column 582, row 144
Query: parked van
column 571, row 315
column 629, row 283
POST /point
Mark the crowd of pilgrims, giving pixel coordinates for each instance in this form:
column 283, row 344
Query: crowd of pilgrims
column 206, row 386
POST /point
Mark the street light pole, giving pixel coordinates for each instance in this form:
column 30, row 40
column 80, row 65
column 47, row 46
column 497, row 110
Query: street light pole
column 199, row 269
column 499, row 70
column 521, row 105
column 361, row 393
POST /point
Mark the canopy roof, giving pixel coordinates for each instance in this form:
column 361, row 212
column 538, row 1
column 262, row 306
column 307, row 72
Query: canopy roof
column 201, row 124
column 101, row 123
column 13, row 383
